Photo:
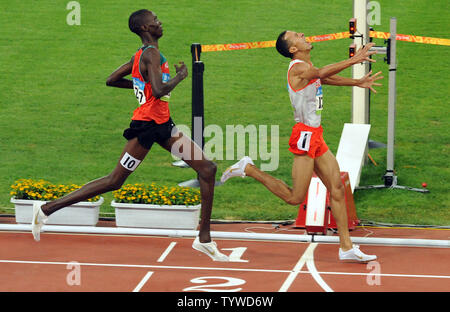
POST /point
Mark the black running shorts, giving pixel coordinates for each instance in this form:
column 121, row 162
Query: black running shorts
column 149, row 132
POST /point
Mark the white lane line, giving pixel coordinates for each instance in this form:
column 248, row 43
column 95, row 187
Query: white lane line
column 312, row 269
column 385, row 274
column 143, row 281
column 166, row 252
column 298, row 267
column 222, row 269
column 148, row 266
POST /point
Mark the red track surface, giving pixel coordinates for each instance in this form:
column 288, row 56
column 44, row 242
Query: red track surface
column 74, row 262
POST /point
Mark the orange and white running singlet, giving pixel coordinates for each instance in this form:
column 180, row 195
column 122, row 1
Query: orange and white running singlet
column 306, row 137
column 150, row 108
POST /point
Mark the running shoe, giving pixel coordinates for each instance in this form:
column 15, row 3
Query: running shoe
column 39, row 219
column 355, row 254
column 236, row 170
column 209, row 249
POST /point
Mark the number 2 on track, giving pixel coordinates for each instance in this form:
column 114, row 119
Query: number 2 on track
column 230, row 282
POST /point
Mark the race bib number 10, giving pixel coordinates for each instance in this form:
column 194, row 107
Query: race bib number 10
column 129, row 162
column 139, row 87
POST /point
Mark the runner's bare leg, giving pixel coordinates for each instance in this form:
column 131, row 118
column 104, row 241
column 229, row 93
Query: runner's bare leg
column 183, row 147
column 327, row 169
column 111, row 182
column 302, row 169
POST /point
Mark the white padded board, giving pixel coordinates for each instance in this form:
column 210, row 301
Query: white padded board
column 350, row 153
column 317, row 196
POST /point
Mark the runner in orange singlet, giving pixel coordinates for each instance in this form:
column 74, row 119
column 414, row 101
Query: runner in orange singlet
column 150, row 123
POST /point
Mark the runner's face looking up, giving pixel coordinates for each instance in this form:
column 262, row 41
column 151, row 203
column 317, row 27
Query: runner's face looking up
column 145, row 21
column 153, row 25
column 297, row 42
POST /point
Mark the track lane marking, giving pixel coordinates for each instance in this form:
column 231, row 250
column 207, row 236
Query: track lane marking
column 166, row 252
column 143, row 281
column 383, row 274
column 316, row 275
column 298, row 267
column 148, row 266
column 224, row 269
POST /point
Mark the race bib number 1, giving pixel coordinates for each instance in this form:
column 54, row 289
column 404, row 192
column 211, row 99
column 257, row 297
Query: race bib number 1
column 304, row 140
column 319, row 100
column 139, row 87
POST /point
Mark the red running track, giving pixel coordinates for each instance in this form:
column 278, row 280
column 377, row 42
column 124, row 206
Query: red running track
column 108, row 263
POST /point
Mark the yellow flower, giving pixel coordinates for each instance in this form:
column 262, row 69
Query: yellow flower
column 155, row 194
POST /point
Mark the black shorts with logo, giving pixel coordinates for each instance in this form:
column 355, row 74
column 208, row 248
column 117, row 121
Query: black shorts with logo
column 149, row 132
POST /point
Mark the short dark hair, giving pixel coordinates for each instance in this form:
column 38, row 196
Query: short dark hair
column 283, row 46
column 136, row 20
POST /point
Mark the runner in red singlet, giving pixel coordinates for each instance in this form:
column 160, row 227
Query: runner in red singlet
column 150, row 107
column 151, row 122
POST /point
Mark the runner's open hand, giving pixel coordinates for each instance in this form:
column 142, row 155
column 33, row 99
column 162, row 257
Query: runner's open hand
column 363, row 54
column 181, row 70
column 368, row 81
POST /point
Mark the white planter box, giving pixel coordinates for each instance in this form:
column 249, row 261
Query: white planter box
column 156, row 216
column 83, row 213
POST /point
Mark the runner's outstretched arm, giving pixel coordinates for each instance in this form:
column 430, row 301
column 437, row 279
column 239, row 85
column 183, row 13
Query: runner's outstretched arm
column 308, row 72
column 365, row 82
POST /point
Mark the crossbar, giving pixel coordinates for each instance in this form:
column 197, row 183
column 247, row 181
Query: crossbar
column 410, row 242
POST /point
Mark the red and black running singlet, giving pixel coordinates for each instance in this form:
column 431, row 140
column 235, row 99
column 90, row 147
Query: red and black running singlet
column 150, row 107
